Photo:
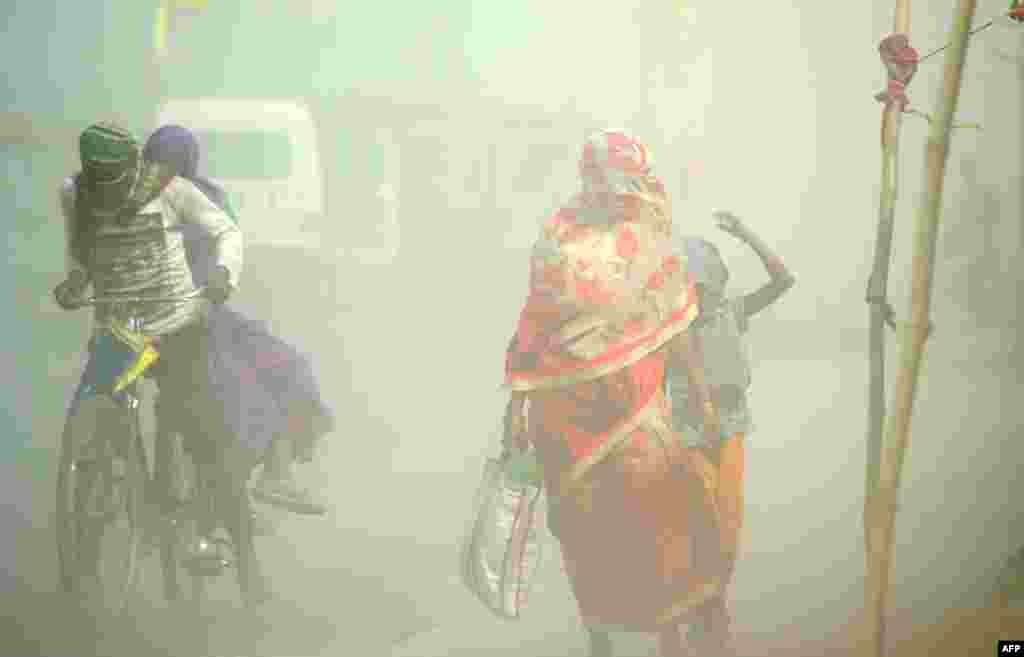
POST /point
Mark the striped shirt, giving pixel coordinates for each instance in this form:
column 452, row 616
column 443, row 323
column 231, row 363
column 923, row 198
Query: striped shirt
column 144, row 254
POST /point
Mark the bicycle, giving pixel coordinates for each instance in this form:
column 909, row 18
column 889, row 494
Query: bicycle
column 104, row 477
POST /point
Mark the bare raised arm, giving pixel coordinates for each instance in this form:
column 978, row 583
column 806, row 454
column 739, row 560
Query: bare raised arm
column 781, row 278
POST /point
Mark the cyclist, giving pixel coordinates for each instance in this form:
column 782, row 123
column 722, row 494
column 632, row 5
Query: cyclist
column 123, row 221
column 272, row 396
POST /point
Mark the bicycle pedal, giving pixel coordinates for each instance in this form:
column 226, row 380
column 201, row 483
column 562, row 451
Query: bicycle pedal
column 208, row 560
column 206, row 567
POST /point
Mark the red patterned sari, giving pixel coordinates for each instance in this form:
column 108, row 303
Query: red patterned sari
column 634, row 516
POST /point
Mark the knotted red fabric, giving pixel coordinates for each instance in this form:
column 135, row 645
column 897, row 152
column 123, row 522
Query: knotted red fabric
column 901, row 62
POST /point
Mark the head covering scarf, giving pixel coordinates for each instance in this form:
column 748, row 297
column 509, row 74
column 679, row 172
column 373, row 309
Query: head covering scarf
column 607, row 291
column 177, row 148
column 606, row 287
column 108, row 145
column 110, row 165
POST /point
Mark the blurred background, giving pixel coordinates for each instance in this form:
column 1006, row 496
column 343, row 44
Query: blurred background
column 391, row 164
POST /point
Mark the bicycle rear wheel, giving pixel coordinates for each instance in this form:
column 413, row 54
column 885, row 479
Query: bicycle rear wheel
column 203, row 493
column 232, row 512
column 100, row 496
column 252, row 587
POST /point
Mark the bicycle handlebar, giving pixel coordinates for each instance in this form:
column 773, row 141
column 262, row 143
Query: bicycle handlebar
column 108, row 301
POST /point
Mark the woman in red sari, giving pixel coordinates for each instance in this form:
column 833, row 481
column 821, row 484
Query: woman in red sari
column 610, row 306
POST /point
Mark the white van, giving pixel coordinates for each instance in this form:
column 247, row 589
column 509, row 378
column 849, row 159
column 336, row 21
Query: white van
column 268, row 155
column 265, row 154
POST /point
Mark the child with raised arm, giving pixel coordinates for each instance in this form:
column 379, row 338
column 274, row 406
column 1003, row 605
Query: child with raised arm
column 720, row 333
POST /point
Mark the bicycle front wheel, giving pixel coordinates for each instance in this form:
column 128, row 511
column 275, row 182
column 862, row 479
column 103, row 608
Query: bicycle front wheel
column 100, row 487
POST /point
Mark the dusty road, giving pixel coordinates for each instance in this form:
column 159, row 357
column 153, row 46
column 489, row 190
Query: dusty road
column 377, row 577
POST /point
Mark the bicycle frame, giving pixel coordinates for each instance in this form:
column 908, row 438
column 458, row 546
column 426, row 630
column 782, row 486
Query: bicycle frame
column 124, row 333
column 125, row 330
column 131, row 354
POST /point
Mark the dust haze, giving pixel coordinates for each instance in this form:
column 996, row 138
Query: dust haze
column 463, row 122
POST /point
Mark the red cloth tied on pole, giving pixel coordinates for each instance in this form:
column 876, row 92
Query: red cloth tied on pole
column 901, row 62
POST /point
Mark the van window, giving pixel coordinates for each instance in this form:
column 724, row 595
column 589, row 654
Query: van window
column 245, row 155
column 353, row 156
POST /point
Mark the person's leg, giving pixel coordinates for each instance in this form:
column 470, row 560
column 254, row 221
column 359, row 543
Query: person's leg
column 670, row 643
column 309, row 423
column 283, row 374
column 730, row 497
column 278, row 464
column 599, row 643
column 710, row 633
column 184, row 381
column 277, row 485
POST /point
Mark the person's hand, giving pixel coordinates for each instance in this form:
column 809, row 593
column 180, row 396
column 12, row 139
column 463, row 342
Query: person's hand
column 514, row 428
column 68, row 294
column 731, row 224
column 219, row 288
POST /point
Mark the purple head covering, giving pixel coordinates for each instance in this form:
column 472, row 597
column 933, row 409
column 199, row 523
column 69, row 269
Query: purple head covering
column 178, row 148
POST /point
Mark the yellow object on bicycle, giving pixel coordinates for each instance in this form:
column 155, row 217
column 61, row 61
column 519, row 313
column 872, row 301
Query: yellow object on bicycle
column 144, row 350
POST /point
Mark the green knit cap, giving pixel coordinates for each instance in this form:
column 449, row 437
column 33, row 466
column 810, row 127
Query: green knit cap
column 107, row 144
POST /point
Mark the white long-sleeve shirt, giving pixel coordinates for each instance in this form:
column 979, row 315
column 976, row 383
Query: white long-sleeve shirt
column 144, row 254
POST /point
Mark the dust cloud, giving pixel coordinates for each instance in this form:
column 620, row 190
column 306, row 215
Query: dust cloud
column 460, row 124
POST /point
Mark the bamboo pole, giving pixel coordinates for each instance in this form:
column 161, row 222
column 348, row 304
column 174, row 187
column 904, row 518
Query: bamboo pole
column 877, row 298
column 915, row 333
column 892, row 120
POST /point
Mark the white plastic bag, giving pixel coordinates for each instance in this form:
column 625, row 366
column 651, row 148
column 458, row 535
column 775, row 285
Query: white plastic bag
column 504, row 545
